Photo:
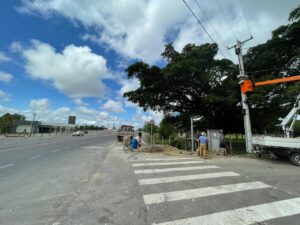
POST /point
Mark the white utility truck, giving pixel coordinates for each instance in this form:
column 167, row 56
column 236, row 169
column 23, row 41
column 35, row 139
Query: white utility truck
column 287, row 146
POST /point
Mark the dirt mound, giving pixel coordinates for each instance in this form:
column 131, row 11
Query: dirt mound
column 165, row 149
column 170, row 150
column 151, row 148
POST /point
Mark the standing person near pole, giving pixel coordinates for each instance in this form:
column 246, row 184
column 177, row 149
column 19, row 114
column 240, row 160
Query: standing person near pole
column 222, row 145
column 140, row 134
column 198, row 149
column 203, row 142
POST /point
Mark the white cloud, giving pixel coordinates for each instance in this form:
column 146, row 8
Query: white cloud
column 133, row 28
column 39, row 104
column 79, row 102
column 139, row 29
column 113, row 106
column 45, row 113
column 128, row 85
column 4, row 57
column 16, row 46
column 142, row 117
column 5, row 77
column 4, row 97
column 76, row 72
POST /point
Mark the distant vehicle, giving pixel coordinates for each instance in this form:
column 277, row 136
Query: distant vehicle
column 86, row 132
column 78, row 133
column 125, row 130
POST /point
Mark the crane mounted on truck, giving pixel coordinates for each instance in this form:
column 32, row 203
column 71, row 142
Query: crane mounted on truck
column 280, row 146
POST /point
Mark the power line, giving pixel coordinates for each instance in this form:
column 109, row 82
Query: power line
column 200, row 10
column 266, row 70
column 226, row 19
column 211, row 25
column 199, row 22
column 246, row 19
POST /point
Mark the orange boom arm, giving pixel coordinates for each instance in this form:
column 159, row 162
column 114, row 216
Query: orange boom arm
column 248, row 85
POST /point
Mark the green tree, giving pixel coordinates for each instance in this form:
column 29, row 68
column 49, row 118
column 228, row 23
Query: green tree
column 167, row 129
column 278, row 57
column 147, row 128
column 193, row 83
column 7, row 121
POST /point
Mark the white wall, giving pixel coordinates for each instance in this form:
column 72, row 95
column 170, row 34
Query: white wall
column 21, row 128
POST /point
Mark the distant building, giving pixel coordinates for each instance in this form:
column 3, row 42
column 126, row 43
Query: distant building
column 72, row 120
column 42, row 127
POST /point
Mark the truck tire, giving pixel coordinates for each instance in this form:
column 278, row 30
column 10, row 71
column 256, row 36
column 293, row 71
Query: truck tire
column 295, row 158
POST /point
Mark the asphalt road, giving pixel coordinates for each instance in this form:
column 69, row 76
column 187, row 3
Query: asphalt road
column 39, row 177
column 90, row 180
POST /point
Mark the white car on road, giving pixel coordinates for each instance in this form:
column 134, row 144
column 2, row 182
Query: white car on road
column 78, row 133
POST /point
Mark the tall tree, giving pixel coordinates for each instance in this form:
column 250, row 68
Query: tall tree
column 193, row 83
column 7, row 121
column 278, row 57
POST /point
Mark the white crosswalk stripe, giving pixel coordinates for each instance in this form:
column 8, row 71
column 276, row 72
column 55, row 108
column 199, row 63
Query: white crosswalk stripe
column 202, row 192
column 163, row 159
column 256, row 213
column 149, row 171
column 166, row 163
column 186, row 177
column 244, row 216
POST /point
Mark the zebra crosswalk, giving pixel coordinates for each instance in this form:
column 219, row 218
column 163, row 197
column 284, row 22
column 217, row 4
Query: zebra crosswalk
column 158, row 178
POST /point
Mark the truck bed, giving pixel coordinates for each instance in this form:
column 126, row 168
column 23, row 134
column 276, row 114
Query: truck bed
column 276, row 142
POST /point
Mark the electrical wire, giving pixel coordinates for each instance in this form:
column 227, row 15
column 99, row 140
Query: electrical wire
column 257, row 71
column 246, row 19
column 226, row 19
column 202, row 26
column 211, row 25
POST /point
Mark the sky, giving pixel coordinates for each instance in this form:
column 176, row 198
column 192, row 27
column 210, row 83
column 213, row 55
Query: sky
column 60, row 58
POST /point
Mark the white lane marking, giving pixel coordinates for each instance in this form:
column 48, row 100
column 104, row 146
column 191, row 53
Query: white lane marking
column 161, row 159
column 36, row 145
column 93, row 147
column 186, row 177
column 56, row 150
column 35, row 157
column 202, row 192
column 148, row 171
column 26, row 146
column 244, row 216
column 8, row 165
column 166, row 163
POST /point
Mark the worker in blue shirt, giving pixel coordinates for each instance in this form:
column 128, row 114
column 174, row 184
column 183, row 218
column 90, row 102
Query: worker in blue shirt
column 134, row 144
column 202, row 144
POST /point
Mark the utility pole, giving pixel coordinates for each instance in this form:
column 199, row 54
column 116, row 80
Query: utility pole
column 243, row 76
column 192, row 133
column 31, row 130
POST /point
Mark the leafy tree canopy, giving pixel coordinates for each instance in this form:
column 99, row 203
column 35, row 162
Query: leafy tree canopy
column 7, row 120
column 195, row 83
column 278, row 57
column 192, row 83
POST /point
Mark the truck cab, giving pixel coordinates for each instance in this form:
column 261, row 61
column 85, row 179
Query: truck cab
column 124, row 130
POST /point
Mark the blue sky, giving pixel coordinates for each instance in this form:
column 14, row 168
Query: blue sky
column 60, row 58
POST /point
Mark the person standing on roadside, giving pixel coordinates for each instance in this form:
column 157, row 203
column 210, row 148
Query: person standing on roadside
column 198, row 149
column 140, row 134
column 222, row 146
column 203, row 142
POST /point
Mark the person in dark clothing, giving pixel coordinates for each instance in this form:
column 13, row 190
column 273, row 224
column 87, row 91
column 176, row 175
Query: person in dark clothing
column 222, row 146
